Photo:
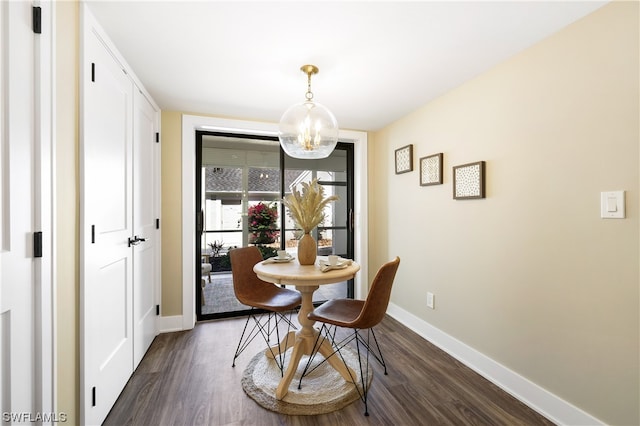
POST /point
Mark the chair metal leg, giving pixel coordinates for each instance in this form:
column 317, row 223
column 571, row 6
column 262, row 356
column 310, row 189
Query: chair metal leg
column 240, row 347
column 329, row 332
column 314, row 351
column 258, row 328
column 364, row 375
column 265, row 328
column 281, row 356
column 377, row 354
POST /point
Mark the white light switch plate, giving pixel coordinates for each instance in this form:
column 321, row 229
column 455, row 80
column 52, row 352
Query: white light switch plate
column 612, row 205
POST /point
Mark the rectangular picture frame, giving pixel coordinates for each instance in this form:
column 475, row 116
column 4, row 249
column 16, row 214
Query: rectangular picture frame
column 431, row 170
column 469, row 181
column 404, row 159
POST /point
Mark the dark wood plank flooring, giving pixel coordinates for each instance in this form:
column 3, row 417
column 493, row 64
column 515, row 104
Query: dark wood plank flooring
column 186, row 378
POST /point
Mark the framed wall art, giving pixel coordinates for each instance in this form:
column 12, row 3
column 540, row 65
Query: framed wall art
column 468, row 181
column 404, row 159
column 431, row 170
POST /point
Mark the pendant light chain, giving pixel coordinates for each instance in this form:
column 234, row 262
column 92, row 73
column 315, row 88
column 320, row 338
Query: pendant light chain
column 309, row 95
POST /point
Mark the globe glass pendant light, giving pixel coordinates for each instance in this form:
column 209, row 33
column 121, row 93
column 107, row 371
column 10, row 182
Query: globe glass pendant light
column 308, row 130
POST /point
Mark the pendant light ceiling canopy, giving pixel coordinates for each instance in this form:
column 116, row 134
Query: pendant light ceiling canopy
column 308, row 130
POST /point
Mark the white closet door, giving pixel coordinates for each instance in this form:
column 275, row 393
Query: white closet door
column 145, row 268
column 107, row 326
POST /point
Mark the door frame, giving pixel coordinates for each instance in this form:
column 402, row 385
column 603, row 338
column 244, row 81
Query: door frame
column 192, row 123
column 44, row 202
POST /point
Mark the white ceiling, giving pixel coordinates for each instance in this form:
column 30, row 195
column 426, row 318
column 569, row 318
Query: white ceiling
column 378, row 60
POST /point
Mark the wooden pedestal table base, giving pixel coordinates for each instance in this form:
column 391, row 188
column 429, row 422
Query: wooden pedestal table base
column 302, row 342
column 307, row 279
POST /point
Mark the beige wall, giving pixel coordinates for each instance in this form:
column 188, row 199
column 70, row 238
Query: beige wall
column 67, row 212
column 171, row 228
column 530, row 276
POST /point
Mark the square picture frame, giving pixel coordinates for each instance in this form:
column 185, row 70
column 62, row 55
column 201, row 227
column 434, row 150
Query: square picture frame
column 469, row 181
column 404, row 159
column 431, row 170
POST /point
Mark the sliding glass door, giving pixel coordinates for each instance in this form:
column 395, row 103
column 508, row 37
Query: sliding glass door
column 241, row 180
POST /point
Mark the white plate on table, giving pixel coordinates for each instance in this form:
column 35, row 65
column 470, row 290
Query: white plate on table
column 342, row 263
column 278, row 260
column 326, row 267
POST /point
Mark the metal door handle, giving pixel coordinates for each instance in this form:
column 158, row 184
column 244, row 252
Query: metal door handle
column 135, row 240
column 200, row 222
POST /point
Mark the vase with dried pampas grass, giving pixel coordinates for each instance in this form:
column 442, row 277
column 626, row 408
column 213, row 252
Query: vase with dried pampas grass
column 306, row 208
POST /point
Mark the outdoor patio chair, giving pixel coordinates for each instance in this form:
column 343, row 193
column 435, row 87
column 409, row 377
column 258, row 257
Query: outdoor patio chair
column 261, row 296
column 357, row 315
column 206, row 269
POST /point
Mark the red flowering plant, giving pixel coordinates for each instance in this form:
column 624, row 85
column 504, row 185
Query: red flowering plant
column 262, row 223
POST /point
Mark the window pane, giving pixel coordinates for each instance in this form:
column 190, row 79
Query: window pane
column 222, row 206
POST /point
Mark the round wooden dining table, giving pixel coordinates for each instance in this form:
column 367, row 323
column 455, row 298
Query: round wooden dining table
column 307, row 279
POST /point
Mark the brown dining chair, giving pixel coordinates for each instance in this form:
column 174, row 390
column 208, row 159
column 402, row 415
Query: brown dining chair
column 357, row 315
column 260, row 296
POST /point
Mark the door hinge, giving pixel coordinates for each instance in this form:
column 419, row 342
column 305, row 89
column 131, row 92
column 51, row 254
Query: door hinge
column 157, row 309
column 93, row 234
column 93, row 396
column 93, row 71
column 157, row 137
column 37, row 19
column 157, row 223
column 37, row 244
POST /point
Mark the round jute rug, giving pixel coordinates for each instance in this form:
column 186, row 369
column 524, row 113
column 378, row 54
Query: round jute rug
column 323, row 390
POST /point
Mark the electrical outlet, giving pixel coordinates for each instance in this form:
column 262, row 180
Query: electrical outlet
column 430, row 300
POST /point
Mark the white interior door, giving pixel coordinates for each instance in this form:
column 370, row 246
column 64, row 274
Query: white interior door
column 145, row 268
column 107, row 225
column 17, row 213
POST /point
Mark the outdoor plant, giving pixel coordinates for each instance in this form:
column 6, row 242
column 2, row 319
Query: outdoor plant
column 267, row 251
column 220, row 261
column 216, row 248
column 225, row 260
column 262, row 223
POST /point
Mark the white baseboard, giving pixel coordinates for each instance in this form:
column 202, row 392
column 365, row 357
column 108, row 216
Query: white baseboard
column 544, row 402
column 169, row 324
